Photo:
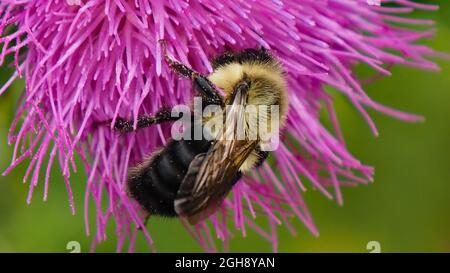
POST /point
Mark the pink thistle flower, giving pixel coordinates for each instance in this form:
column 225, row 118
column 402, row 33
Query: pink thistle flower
column 89, row 61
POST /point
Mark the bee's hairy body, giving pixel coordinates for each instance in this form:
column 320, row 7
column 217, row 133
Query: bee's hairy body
column 267, row 88
column 155, row 183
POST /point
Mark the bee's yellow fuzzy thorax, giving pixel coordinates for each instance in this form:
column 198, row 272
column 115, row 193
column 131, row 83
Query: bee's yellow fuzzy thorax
column 267, row 87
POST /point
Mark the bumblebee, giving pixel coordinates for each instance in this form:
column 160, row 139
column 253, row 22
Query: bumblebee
column 191, row 178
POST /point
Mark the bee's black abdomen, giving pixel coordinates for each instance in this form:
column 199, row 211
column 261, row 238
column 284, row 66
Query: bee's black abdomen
column 149, row 194
column 185, row 152
column 169, row 170
column 156, row 184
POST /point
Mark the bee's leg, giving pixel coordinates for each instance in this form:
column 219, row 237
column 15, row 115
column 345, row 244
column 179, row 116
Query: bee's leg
column 147, row 217
column 174, row 65
column 126, row 126
column 262, row 156
column 236, row 177
column 207, row 90
column 199, row 81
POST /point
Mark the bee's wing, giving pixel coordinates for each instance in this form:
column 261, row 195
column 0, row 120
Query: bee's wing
column 210, row 177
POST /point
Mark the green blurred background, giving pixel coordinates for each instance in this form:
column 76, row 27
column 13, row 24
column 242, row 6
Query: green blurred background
column 406, row 209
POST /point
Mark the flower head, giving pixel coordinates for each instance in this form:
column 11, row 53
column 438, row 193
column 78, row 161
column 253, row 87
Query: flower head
column 85, row 62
